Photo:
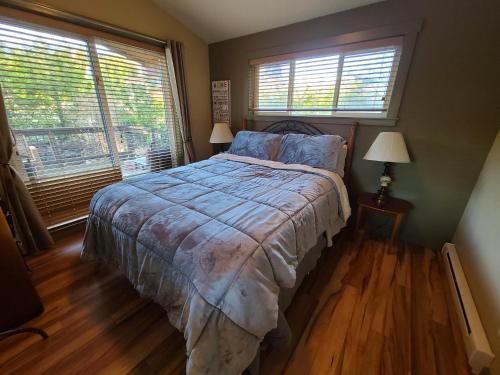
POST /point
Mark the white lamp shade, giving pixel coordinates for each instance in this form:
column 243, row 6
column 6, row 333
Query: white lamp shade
column 221, row 133
column 388, row 147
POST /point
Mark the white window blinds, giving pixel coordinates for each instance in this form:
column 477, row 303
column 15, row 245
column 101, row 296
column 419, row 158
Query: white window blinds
column 272, row 82
column 84, row 114
column 314, row 84
column 367, row 80
column 140, row 102
column 51, row 102
column 337, row 81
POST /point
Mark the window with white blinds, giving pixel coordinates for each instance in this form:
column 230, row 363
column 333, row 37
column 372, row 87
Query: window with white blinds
column 84, row 113
column 355, row 80
column 140, row 102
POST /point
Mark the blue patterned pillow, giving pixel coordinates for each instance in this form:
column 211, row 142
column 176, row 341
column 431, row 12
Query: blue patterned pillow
column 258, row 145
column 318, row 151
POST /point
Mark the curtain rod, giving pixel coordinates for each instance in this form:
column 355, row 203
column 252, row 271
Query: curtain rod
column 45, row 10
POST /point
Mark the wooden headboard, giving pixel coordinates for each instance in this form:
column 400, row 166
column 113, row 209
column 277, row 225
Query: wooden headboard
column 300, row 127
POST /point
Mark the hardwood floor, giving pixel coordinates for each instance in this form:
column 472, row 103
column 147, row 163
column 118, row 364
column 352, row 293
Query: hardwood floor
column 362, row 311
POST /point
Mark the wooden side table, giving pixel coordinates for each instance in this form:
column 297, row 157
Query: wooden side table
column 397, row 208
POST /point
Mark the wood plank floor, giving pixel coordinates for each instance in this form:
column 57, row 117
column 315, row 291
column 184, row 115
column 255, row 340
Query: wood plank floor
column 362, row 311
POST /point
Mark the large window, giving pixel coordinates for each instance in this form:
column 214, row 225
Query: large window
column 354, row 80
column 84, row 112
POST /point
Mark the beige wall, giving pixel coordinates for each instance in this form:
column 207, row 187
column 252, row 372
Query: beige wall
column 145, row 17
column 478, row 243
column 449, row 112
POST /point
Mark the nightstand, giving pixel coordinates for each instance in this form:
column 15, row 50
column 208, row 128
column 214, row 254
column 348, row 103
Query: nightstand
column 397, row 208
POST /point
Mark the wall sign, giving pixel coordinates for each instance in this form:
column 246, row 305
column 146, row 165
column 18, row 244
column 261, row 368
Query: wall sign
column 221, row 101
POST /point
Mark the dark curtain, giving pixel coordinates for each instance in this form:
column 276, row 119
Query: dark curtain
column 177, row 51
column 29, row 227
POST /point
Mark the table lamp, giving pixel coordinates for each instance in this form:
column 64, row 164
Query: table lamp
column 388, row 147
column 221, row 134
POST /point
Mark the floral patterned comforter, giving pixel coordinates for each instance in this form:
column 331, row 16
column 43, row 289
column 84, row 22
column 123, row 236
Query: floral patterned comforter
column 213, row 242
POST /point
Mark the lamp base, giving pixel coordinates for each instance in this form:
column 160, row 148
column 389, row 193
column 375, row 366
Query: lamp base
column 219, row 147
column 383, row 196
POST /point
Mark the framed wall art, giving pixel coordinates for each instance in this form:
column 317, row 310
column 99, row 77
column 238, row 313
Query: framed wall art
column 221, row 101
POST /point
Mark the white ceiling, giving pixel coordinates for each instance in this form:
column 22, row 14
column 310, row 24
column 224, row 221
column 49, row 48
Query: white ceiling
column 216, row 20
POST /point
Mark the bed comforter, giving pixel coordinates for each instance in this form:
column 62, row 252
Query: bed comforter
column 212, row 243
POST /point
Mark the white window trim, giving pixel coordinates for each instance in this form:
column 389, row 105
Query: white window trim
column 341, row 53
column 408, row 31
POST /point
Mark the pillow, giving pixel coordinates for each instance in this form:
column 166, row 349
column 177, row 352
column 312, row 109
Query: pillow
column 258, row 145
column 318, row 151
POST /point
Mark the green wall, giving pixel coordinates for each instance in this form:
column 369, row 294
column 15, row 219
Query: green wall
column 449, row 113
column 476, row 240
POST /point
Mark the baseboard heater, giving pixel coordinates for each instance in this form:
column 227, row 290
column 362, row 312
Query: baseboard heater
column 477, row 347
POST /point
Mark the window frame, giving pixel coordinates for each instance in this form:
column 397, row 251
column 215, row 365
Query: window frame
column 107, row 175
column 91, row 38
column 407, row 32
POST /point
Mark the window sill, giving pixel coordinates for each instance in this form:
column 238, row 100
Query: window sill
column 64, row 229
column 333, row 120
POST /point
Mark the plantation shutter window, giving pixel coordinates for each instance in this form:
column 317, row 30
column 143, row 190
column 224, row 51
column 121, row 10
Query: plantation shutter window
column 367, row 80
column 273, row 85
column 314, row 84
column 353, row 80
column 84, row 113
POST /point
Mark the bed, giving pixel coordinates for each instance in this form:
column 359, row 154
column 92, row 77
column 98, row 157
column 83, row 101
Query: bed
column 221, row 244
